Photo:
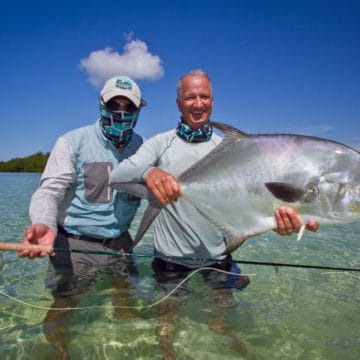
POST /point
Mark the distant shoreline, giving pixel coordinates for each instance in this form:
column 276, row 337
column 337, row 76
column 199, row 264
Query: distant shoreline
column 31, row 164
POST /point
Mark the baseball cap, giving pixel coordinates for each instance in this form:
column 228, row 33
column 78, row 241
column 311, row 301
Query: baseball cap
column 122, row 86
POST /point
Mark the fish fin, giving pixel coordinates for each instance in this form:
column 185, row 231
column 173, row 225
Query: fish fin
column 149, row 216
column 142, row 191
column 231, row 134
column 135, row 188
column 286, row 192
column 301, row 232
column 233, row 241
column 228, row 130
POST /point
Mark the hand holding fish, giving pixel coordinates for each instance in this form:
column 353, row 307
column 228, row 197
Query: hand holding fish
column 163, row 185
column 37, row 234
column 288, row 222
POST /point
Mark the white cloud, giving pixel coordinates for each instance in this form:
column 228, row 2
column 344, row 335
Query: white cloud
column 136, row 62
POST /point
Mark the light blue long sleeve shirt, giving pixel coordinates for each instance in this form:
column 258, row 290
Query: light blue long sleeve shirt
column 74, row 189
column 179, row 230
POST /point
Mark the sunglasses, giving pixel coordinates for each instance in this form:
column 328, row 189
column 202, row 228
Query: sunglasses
column 121, row 105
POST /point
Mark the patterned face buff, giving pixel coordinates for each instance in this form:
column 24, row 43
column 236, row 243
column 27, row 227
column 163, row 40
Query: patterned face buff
column 117, row 126
column 194, row 136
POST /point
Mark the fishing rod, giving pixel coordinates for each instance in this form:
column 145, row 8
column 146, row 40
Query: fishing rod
column 49, row 249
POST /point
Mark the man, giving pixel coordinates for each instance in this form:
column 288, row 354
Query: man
column 181, row 233
column 179, row 230
column 74, row 208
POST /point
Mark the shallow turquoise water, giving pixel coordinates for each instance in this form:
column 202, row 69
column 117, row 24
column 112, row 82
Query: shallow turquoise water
column 285, row 313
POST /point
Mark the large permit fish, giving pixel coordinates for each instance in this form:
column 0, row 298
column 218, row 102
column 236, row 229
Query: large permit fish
column 244, row 179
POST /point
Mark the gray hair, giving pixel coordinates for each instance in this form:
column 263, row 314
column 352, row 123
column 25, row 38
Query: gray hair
column 193, row 73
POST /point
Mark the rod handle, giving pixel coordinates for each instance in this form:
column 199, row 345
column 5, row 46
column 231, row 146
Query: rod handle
column 20, row 247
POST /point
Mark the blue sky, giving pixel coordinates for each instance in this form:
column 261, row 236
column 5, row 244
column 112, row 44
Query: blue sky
column 276, row 65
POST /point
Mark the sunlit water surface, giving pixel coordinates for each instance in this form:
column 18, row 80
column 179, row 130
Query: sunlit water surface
column 285, row 313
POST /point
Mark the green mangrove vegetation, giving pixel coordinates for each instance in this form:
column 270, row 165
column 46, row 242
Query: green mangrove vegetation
column 32, row 163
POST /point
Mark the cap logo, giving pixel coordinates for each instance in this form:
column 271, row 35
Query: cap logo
column 124, row 84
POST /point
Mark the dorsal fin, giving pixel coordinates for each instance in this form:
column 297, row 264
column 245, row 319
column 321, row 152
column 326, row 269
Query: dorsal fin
column 228, row 130
column 231, row 134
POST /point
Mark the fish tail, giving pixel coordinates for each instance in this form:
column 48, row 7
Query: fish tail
column 150, row 214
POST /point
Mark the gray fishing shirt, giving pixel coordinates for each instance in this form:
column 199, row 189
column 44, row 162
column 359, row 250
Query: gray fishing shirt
column 179, row 230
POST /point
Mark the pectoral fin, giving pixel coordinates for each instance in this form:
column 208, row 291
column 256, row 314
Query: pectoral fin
column 290, row 193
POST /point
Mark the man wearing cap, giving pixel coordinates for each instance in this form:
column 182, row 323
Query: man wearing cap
column 74, row 208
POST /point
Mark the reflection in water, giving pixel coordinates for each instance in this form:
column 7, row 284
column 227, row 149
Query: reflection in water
column 71, row 285
column 220, row 280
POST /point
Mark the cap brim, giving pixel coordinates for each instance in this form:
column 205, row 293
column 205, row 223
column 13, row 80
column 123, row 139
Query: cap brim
column 108, row 95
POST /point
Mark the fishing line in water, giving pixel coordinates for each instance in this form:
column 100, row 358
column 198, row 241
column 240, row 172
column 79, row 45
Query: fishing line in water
column 17, row 246
column 212, row 260
column 139, row 307
column 207, row 260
